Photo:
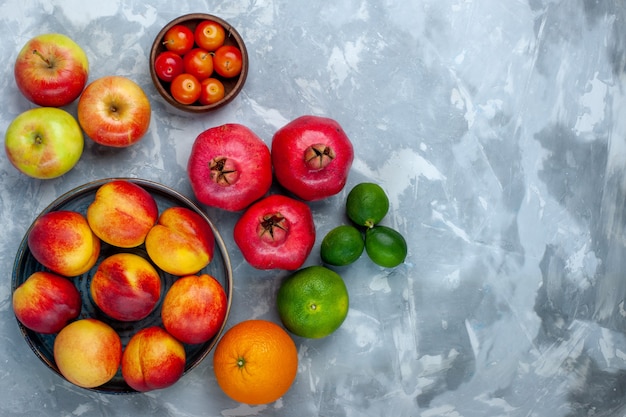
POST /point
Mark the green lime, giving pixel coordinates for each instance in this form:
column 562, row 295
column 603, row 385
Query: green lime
column 367, row 204
column 342, row 245
column 312, row 302
column 385, row 246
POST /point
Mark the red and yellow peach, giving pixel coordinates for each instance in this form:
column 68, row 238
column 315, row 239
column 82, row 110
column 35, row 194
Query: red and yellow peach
column 194, row 308
column 88, row 352
column 63, row 242
column 153, row 359
column 122, row 213
column 181, row 243
column 126, row 287
column 46, row 302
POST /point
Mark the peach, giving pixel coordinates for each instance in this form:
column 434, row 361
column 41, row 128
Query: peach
column 194, row 308
column 181, row 243
column 63, row 242
column 46, row 302
column 88, row 352
column 126, row 287
column 122, row 213
column 153, row 359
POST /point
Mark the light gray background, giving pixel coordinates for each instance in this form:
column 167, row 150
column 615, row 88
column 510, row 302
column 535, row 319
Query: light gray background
column 498, row 129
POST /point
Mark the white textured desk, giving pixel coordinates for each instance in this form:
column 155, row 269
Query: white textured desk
column 498, row 129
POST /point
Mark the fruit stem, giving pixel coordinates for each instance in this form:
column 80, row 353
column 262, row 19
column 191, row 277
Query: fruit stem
column 223, row 171
column 318, row 156
column 40, row 55
column 274, row 226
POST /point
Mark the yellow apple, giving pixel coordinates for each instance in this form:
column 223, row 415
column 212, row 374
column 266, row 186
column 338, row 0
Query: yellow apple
column 44, row 142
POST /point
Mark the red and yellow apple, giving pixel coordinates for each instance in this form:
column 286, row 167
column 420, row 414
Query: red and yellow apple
column 153, row 359
column 114, row 111
column 63, row 242
column 44, row 142
column 88, row 352
column 51, row 70
column 122, row 213
column 181, row 243
column 46, row 302
column 125, row 287
column 194, row 308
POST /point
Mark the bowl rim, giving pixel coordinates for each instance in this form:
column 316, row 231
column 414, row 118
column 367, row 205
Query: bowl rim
column 230, row 32
column 150, row 186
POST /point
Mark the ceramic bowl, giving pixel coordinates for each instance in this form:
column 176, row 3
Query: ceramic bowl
column 232, row 86
column 79, row 199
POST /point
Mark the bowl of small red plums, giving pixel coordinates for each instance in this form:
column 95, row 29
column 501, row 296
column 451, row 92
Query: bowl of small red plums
column 198, row 62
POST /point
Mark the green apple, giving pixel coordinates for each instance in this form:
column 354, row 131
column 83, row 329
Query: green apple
column 44, row 142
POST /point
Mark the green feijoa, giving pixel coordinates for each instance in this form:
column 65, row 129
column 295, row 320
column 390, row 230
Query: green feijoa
column 342, row 245
column 385, row 246
column 367, row 204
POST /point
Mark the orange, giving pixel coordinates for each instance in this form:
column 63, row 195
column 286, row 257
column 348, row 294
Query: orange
column 255, row 362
